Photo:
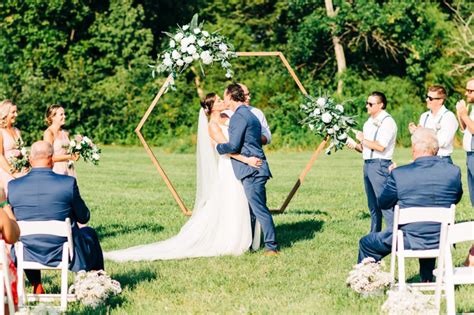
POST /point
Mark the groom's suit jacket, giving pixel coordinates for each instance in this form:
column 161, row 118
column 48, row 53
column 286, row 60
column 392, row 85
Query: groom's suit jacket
column 427, row 182
column 245, row 133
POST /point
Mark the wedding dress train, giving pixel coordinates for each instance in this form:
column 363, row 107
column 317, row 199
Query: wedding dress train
column 220, row 223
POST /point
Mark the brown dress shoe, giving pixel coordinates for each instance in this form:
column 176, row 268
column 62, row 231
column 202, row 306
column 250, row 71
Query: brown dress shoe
column 271, row 253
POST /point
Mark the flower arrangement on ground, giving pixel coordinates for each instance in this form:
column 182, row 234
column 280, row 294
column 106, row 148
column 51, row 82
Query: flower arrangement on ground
column 85, row 148
column 367, row 278
column 19, row 160
column 93, row 288
column 409, row 301
column 191, row 43
column 325, row 117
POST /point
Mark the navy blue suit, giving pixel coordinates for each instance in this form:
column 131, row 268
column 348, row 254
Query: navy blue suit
column 245, row 133
column 43, row 195
column 427, row 182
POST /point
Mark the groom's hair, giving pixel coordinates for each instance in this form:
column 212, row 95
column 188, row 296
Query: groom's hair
column 236, row 92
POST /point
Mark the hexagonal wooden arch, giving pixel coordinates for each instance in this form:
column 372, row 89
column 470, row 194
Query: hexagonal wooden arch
column 161, row 171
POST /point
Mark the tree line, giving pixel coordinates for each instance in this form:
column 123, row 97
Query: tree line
column 94, row 57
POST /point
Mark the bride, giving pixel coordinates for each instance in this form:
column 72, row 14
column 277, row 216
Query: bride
column 220, row 223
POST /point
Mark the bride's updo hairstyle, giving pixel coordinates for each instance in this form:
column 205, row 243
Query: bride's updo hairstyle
column 208, row 103
column 51, row 112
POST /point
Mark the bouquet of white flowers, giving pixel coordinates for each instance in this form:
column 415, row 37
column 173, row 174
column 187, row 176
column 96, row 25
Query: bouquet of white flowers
column 326, row 118
column 191, row 43
column 367, row 278
column 94, row 287
column 85, row 148
column 409, row 301
column 20, row 157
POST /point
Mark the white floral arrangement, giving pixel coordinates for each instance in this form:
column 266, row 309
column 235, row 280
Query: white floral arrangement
column 93, row 288
column 367, row 277
column 325, row 117
column 409, row 301
column 191, row 43
column 86, row 149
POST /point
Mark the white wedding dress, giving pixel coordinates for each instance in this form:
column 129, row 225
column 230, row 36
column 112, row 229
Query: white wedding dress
column 220, row 223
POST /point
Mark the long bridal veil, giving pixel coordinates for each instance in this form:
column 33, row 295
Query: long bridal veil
column 206, row 164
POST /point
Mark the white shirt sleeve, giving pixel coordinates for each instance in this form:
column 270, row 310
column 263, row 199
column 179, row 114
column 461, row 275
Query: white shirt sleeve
column 387, row 132
column 263, row 121
column 449, row 125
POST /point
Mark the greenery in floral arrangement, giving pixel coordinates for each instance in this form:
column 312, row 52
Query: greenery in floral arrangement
column 19, row 160
column 192, row 43
column 326, row 118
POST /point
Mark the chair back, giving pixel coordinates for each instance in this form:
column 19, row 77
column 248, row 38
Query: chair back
column 52, row 227
column 461, row 232
column 422, row 214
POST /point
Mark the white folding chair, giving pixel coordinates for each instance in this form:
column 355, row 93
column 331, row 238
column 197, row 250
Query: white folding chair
column 57, row 228
column 444, row 216
column 457, row 233
column 5, row 281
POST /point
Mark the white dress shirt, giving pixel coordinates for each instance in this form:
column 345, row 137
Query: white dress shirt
column 467, row 138
column 382, row 129
column 445, row 125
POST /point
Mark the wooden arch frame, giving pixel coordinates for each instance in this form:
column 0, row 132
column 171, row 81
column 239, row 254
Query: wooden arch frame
column 161, row 171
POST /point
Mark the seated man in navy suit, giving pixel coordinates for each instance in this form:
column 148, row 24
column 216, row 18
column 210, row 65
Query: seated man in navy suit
column 42, row 195
column 427, row 182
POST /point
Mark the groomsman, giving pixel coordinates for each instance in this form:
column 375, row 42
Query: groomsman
column 440, row 119
column 467, row 125
column 377, row 143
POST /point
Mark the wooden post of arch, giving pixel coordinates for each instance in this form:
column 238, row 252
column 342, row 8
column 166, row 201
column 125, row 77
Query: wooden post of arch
column 161, row 171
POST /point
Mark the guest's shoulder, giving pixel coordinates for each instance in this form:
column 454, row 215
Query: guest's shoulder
column 403, row 170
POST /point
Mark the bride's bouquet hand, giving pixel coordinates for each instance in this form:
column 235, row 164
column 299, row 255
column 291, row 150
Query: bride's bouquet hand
column 254, row 161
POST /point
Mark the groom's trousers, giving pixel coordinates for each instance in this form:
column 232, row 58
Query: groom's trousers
column 257, row 197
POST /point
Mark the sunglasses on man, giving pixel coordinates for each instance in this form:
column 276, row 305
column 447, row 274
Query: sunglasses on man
column 430, row 98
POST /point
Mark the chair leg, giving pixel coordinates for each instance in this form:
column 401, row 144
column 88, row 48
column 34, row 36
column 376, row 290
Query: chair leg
column 64, row 288
column 450, row 299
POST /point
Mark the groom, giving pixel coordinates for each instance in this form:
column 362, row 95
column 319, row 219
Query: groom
column 245, row 138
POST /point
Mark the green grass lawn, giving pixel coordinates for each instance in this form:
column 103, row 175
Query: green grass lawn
column 318, row 235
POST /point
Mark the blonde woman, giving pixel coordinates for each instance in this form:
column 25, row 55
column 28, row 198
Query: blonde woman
column 59, row 139
column 9, row 139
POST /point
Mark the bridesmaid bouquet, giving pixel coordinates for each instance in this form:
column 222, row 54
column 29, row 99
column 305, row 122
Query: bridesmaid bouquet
column 20, row 158
column 85, row 148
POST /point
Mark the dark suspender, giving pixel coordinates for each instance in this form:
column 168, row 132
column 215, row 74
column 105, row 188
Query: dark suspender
column 439, row 121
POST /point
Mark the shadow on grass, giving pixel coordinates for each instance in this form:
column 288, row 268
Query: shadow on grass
column 290, row 233
column 312, row 212
column 112, row 230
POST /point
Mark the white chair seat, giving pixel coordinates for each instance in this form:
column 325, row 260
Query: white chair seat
column 37, row 266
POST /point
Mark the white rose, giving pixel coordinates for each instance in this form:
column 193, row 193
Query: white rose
column 96, row 156
column 172, row 44
column 326, row 118
column 78, row 146
column 179, row 62
column 178, row 37
column 185, row 27
column 72, row 143
column 23, row 151
column 191, row 49
column 175, row 54
column 191, row 39
column 336, row 127
column 188, row 59
column 321, row 101
column 166, row 56
column 206, row 34
column 330, row 131
column 342, row 136
column 197, row 31
column 340, row 108
column 223, row 47
column 195, row 56
column 183, row 49
column 228, row 75
column 201, row 43
column 87, row 140
column 168, row 62
column 317, row 111
column 206, row 57
column 184, row 43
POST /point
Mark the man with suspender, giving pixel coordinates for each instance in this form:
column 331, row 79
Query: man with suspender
column 467, row 125
column 377, row 143
column 440, row 119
